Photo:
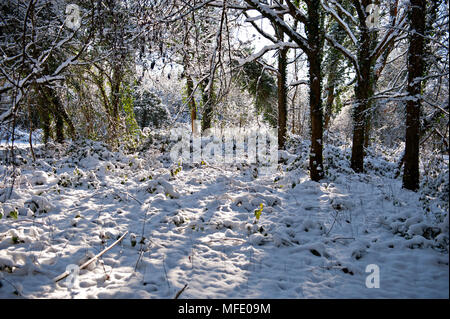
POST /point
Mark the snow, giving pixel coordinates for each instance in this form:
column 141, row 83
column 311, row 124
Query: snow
column 21, row 138
column 198, row 227
column 272, row 15
column 265, row 49
column 344, row 25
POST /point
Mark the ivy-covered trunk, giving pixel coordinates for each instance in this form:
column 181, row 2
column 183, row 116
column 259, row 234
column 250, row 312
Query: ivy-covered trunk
column 44, row 117
column 332, row 69
column 207, row 101
column 359, row 125
column 51, row 106
column 59, row 129
column 115, row 97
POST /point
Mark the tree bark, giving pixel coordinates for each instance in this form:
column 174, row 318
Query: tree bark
column 207, row 100
column 363, row 93
column 332, row 63
column 114, row 111
column 359, row 123
column 315, row 42
column 191, row 102
column 413, row 105
column 54, row 106
column 59, row 128
column 281, row 88
column 282, row 98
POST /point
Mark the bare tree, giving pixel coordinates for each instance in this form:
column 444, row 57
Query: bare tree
column 415, row 74
column 371, row 51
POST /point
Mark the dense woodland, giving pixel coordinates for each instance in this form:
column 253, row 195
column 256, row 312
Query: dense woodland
column 79, row 71
column 371, row 77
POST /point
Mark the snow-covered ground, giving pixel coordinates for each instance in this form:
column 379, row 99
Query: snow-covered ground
column 198, row 227
column 21, row 138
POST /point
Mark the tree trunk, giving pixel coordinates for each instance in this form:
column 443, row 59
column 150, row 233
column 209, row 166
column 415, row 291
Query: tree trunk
column 189, row 81
column 367, row 129
column 207, row 100
column 315, row 41
column 50, row 103
column 59, row 128
column 115, row 93
column 114, row 112
column 413, row 105
column 359, row 126
column 191, row 102
column 144, row 118
column 281, row 88
column 282, row 98
column 332, row 65
column 60, row 114
column 371, row 108
column 363, row 92
column 64, row 117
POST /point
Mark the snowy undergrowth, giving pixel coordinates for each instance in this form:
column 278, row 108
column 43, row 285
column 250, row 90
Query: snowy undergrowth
column 221, row 229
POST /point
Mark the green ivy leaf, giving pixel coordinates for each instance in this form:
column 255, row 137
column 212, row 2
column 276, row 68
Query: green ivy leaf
column 14, row 214
column 258, row 212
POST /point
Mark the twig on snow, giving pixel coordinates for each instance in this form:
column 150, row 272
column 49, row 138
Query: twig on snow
column 66, row 273
column 180, row 292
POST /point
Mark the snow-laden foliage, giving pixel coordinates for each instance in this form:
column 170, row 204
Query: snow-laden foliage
column 208, row 223
column 93, row 93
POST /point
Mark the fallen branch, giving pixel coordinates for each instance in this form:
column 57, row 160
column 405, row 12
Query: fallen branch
column 222, row 239
column 180, row 292
column 66, row 273
column 337, row 238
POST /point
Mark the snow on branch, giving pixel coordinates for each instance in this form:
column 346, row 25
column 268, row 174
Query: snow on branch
column 261, row 31
column 6, row 115
column 299, row 82
column 252, row 19
column 272, row 15
column 389, row 37
column 344, row 11
column 267, row 48
column 296, row 12
column 341, row 22
column 344, row 51
column 219, row 4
